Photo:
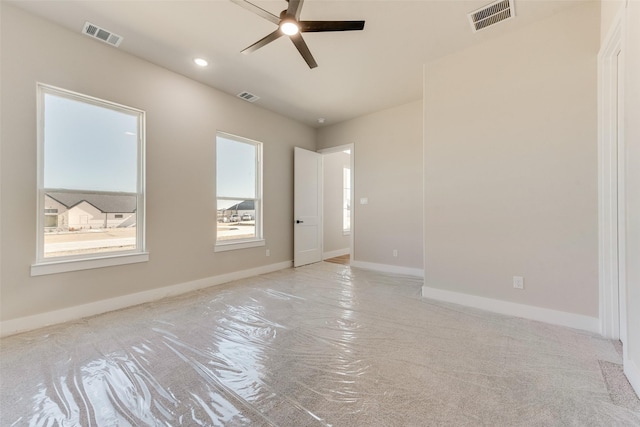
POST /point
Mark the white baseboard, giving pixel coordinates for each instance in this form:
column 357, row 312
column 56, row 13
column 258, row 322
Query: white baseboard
column 333, row 254
column 28, row 323
column 633, row 375
column 562, row 318
column 385, row 268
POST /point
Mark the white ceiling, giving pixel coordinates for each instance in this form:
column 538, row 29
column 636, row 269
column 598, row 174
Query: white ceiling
column 358, row 71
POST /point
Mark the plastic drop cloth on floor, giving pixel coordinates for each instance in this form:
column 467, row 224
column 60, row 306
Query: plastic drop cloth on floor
column 315, row 346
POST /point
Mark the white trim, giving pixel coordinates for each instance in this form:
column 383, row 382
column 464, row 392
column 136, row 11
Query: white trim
column 55, row 267
column 562, row 318
column 336, row 149
column 385, row 268
column 333, row 254
column 22, row 324
column 610, row 250
column 235, row 244
column 622, row 204
column 352, row 233
column 633, row 375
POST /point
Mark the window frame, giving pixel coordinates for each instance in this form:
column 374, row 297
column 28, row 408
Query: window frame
column 52, row 265
column 258, row 239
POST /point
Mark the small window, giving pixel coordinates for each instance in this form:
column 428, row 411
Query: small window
column 50, row 221
column 238, row 192
column 90, row 157
column 346, row 200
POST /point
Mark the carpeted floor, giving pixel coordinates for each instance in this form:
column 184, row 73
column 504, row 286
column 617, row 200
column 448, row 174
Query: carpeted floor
column 321, row 345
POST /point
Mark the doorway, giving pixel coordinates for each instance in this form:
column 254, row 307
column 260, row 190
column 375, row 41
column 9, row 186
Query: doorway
column 338, row 216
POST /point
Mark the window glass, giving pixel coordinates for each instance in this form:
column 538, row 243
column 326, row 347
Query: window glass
column 238, row 183
column 89, row 147
column 91, row 178
column 346, row 200
column 236, row 168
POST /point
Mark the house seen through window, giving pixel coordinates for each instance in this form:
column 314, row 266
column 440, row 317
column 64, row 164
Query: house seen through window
column 238, row 190
column 90, row 177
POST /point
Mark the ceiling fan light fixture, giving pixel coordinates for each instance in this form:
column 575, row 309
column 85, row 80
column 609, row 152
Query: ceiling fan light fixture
column 289, row 28
column 289, row 25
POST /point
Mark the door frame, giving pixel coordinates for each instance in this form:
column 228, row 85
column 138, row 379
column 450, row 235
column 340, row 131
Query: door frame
column 337, row 149
column 611, row 184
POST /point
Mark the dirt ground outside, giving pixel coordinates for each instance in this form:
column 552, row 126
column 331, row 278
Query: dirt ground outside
column 238, row 230
column 65, row 243
column 79, row 236
column 89, row 241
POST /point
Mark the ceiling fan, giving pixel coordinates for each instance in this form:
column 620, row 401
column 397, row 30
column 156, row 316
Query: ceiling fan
column 289, row 24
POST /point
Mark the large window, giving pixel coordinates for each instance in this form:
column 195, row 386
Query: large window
column 238, row 192
column 90, row 182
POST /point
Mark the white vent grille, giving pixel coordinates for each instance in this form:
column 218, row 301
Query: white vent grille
column 248, row 96
column 491, row 14
column 101, row 34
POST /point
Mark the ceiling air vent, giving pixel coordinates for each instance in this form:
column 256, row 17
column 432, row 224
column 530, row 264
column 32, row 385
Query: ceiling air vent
column 101, row 34
column 491, row 14
column 248, row 96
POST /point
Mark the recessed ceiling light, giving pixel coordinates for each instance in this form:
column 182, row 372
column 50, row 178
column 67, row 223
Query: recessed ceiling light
column 321, row 120
column 201, row 62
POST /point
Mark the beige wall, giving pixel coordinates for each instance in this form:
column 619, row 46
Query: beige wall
column 511, row 166
column 182, row 119
column 334, row 238
column 388, row 171
column 632, row 145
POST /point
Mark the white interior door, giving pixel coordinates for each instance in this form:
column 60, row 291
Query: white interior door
column 307, row 210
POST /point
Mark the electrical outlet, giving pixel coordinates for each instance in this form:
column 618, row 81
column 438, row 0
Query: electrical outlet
column 268, row 252
column 395, row 252
column 518, row 282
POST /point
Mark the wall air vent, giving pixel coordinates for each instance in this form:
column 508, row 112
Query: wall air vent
column 248, row 96
column 101, row 34
column 492, row 14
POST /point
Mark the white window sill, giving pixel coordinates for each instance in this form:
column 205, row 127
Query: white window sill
column 63, row 266
column 346, row 233
column 232, row 246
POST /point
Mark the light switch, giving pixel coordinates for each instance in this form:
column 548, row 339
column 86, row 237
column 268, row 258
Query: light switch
column 364, row 201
